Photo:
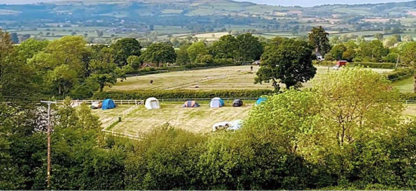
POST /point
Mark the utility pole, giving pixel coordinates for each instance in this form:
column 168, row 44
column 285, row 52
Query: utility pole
column 48, row 177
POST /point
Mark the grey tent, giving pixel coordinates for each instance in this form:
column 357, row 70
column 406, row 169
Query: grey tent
column 237, row 103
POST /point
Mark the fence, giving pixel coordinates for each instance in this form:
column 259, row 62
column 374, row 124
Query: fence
column 118, row 134
column 117, row 102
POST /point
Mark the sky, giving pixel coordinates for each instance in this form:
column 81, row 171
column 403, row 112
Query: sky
column 307, row 3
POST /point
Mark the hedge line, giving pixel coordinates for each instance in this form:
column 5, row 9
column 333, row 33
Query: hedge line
column 180, row 94
column 384, row 65
column 400, row 74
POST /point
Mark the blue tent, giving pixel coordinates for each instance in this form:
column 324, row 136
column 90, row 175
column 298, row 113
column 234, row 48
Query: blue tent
column 108, row 104
column 216, row 103
column 261, row 100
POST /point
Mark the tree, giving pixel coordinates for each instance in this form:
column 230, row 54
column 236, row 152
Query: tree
column 249, row 47
column 198, row 48
column 408, row 57
column 31, row 47
column 338, row 51
column 182, row 57
column 379, row 36
column 289, row 62
column 62, row 79
column 134, row 62
column 124, row 48
column 104, row 70
column 99, row 33
column 318, row 38
column 159, row 53
column 225, row 47
column 390, row 42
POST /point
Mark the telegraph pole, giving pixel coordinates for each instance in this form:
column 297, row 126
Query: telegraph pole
column 48, row 177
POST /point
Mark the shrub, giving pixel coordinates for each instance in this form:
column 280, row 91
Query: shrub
column 181, row 94
column 164, row 159
column 383, row 65
column 400, row 74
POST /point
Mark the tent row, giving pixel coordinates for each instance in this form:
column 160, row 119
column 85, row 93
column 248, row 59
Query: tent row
column 153, row 103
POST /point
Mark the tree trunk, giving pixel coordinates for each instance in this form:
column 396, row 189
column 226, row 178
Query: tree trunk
column 414, row 85
column 101, row 87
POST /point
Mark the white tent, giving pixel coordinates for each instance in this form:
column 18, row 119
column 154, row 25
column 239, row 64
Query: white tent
column 152, row 103
column 216, row 103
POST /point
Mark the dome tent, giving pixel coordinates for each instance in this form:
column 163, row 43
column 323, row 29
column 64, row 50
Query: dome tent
column 237, row 103
column 108, row 104
column 261, row 100
column 152, row 103
column 190, row 104
column 216, row 103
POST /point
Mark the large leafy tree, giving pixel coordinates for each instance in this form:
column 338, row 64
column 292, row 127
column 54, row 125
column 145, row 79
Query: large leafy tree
column 249, row 47
column 288, row 62
column 124, row 48
column 196, row 49
column 159, row 53
column 225, row 47
column 182, row 57
column 408, row 57
column 318, row 39
column 104, row 71
column 338, row 51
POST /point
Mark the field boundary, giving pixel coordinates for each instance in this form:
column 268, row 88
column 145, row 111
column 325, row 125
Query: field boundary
column 117, row 102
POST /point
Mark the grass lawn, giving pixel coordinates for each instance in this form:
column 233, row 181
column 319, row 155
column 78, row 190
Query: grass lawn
column 198, row 120
column 405, row 86
column 224, row 78
column 107, row 115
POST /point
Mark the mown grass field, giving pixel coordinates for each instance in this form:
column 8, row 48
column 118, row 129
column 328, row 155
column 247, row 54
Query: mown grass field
column 198, row 120
column 224, row 78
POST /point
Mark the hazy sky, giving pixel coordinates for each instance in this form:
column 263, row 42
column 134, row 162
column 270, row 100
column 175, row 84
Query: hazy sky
column 272, row 2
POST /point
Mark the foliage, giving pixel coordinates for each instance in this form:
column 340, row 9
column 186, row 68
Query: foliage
column 134, row 62
column 289, row 62
column 249, row 47
column 159, row 53
column 196, row 49
column 400, row 74
column 318, row 39
column 124, row 48
column 182, row 94
column 408, row 57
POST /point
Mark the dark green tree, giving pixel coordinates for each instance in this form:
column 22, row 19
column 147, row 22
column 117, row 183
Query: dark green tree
column 289, row 62
column 249, row 47
column 182, row 57
column 159, row 53
column 318, row 39
column 124, row 48
column 225, row 47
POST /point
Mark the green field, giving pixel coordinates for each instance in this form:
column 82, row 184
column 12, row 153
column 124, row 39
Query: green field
column 198, row 120
column 405, row 86
column 224, row 78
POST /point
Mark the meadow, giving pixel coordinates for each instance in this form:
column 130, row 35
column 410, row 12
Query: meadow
column 223, row 78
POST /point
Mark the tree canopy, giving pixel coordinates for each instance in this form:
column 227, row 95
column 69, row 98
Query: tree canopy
column 288, row 62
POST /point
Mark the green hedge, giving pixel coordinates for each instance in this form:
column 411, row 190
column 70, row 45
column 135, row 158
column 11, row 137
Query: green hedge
column 400, row 74
column 383, row 65
column 180, row 94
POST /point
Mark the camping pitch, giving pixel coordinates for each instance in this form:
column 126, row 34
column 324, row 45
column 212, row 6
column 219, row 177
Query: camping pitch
column 108, row 104
column 152, row 103
column 216, row 103
column 261, row 100
column 190, row 104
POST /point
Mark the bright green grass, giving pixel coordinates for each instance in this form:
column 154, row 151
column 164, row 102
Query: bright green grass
column 405, row 86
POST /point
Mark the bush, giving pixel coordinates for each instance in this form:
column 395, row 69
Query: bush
column 383, row 65
column 180, row 94
column 164, row 159
column 400, row 74
column 324, row 63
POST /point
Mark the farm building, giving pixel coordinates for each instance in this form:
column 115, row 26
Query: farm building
column 341, row 63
